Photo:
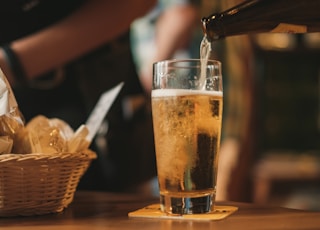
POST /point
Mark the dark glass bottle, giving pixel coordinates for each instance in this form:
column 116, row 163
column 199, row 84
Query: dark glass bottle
column 257, row 16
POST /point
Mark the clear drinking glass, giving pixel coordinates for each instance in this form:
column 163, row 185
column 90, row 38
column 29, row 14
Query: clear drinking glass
column 187, row 116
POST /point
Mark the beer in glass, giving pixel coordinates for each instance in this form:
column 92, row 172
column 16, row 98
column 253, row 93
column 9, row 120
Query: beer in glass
column 187, row 116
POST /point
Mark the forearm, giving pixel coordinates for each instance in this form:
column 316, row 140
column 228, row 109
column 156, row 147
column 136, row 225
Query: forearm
column 174, row 30
column 94, row 24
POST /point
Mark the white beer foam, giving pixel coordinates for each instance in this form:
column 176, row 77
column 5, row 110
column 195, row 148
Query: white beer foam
column 183, row 92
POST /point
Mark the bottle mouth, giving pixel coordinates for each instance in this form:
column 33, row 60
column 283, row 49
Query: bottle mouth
column 204, row 21
column 211, row 27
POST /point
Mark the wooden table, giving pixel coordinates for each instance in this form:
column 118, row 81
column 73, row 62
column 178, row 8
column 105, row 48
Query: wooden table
column 97, row 210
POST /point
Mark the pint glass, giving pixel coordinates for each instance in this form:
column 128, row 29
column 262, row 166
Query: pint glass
column 187, row 116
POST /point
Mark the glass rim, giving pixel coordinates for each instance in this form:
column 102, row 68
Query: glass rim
column 198, row 60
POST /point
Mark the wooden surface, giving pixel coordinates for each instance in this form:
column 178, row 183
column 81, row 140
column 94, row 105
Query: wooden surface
column 95, row 210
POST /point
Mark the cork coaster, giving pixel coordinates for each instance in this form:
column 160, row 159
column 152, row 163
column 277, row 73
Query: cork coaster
column 153, row 211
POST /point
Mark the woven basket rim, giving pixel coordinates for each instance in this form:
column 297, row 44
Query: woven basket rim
column 89, row 154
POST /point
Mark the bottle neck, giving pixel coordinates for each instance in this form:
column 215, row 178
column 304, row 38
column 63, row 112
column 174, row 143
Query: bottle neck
column 214, row 25
column 213, row 22
column 258, row 16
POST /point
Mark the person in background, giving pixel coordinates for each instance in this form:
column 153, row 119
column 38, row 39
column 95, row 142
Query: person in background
column 60, row 56
column 170, row 30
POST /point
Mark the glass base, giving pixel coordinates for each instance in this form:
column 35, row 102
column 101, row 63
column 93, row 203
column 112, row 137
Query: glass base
column 187, row 205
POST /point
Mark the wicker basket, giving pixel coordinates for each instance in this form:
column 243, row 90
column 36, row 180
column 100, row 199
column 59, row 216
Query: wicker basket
column 37, row 183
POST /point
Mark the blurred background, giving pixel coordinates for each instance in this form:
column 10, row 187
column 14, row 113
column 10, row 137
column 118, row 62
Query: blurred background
column 287, row 169
column 270, row 152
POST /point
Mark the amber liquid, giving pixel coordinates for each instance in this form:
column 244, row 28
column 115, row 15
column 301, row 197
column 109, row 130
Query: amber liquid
column 187, row 128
